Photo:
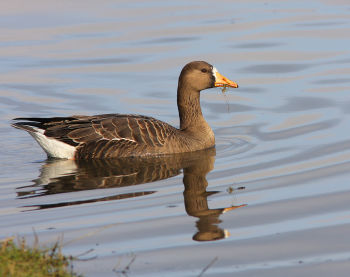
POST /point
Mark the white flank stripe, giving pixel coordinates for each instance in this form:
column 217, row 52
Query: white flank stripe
column 53, row 148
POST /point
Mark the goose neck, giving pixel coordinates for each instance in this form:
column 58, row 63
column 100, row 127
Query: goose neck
column 188, row 102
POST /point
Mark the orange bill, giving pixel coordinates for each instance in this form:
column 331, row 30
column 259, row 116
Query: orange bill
column 222, row 81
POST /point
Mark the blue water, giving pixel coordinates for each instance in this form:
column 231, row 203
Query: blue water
column 282, row 139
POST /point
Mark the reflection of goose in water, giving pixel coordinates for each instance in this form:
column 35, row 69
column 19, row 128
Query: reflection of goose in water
column 196, row 203
column 60, row 176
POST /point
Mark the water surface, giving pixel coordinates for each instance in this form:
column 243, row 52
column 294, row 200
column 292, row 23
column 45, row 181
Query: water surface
column 272, row 198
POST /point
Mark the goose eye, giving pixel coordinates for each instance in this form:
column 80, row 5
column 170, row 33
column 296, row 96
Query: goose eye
column 204, row 70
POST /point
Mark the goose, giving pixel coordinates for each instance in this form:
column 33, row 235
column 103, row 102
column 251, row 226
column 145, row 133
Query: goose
column 127, row 135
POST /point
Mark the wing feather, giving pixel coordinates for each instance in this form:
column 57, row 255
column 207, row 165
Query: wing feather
column 109, row 135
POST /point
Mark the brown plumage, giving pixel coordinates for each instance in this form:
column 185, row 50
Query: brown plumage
column 119, row 135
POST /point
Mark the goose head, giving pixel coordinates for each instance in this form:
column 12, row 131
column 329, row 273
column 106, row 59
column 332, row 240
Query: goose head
column 200, row 75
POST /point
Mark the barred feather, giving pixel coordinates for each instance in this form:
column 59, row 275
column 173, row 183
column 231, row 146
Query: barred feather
column 106, row 136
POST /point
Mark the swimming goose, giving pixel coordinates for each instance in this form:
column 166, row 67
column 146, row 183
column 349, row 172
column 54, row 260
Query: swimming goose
column 124, row 135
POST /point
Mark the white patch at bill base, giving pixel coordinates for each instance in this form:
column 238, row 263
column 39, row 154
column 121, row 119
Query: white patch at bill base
column 214, row 70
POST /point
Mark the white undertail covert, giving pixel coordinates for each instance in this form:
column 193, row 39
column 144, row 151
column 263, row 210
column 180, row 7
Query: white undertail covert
column 53, row 148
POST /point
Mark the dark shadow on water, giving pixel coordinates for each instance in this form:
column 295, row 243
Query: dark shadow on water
column 170, row 40
column 257, row 45
column 275, row 68
column 63, row 176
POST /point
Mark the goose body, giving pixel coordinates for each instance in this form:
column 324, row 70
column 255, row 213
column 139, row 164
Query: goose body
column 125, row 135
